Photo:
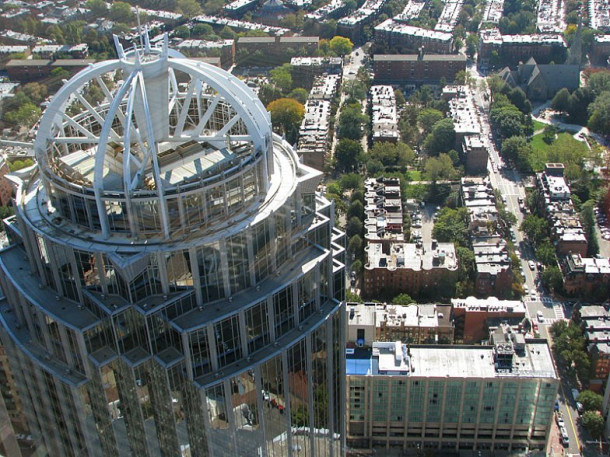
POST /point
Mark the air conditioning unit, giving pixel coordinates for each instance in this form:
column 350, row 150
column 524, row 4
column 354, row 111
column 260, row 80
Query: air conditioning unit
column 360, row 343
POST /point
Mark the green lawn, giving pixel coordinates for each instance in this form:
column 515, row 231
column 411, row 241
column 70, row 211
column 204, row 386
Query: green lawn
column 414, row 175
column 538, row 125
column 565, row 149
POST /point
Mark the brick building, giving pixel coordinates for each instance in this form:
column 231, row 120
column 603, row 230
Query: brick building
column 472, row 317
column 417, row 69
column 30, row 70
column 392, row 35
column 273, row 50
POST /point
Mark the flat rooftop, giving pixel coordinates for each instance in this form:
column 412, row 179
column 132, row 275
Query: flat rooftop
column 449, row 361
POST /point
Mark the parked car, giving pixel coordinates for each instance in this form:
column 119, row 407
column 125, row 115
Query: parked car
column 531, row 264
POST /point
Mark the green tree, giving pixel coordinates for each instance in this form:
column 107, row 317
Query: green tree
column 535, row 228
column 439, row 168
column 508, row 120
column 340, row 45
column 121, row 12
column 202, row 30
column 472, row 44
column 452, row 226
column 348, row 154
column 402, row 300
column 188, row 8
column 351, row 122
column 552, row 278
column 594, row 423
column 282, row 77
column 517, row 150
column 355, row 244
column 356, row 208
column 354, row 227
column 590, row 400
column 599, row 114
column 299, row 94
column 26, row 115
column 351, row 181
column 98, row 8
column 545, row 252
column 441, row 138
column 182, row 31
column 549, row 134
column 427, row 118
column 561, row 100
column 35, row 91
column 287, row 113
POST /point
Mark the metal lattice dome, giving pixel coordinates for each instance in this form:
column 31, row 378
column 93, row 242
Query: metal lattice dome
column 125, row 139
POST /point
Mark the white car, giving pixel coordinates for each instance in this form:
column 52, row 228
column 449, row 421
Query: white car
column 540, row 316
column 531, row 264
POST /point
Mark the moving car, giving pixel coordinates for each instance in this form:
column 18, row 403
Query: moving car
column 531, row 264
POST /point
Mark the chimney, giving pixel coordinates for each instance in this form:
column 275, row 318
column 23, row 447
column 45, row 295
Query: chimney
column 420, row 53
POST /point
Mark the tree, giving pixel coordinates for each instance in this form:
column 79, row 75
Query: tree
column 561, row 100
column 441, row 138
column 347, row 154
column 545, row 252
column 517, row 150
column 536, row 228
column 269, row 93
column 549, row 134
column 427, row 118
column 202, row 30
column 508, row 120
column 182, row 31
column 356, row 209
column 27, row 114
column 472, row 44
column 552, row 278
column 518, row 98
column 350, row 181
column 287, row 113
column 599, row 114
column 35, row 91
column 590, row 400
column 355, row 244
column 452, row 226
column 392, row 154
column 402, row 300
column 441, row 167
column 121, row 12
column 354, row 227
column 351, row 122
column 282, row 77
column 299, row 94
column 188, row 8
column 341, row 45
column 594, row 423
column 98, row 8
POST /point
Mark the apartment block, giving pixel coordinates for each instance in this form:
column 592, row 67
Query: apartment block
column 384, row 119
column 599, row 15
column 314, row 133
column 225, row 49
column 449, row 16
column 273, row 50
column 476, row 154
column 383, row 216
column 567, row 232
column 368, row 323
column 463, row 111
column 497, row 397
column 473, row 317
column 394, row 35
column 512, row 49
column 417, row 69
column 586, row 276
column 352, row 26
column 307, row 69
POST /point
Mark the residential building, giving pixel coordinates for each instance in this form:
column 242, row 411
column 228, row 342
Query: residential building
column 496, row 49
column 225, row 49
column 475, row 153
column 413, row 324
column 418, row 269
column 238, row 8
column 273, row 50
column 383, row 217
column 449, row 16
column 395, row 36
column 411, row 10
column 599, row 15
column 549, row 17
column 474, row 317
column 6, row 190
column 600, row 49
column 463, row 111
column 307, row 69
column 177, row 282
column 30, row 69
column 238, row 25
column 494, row 275
column 497, row 397
column 50, row 51
column 556, row 204
column 314, row 133
column 417, row 69
column 384, row 118
column 586, row 276
column 332, row 10
column 352, row 26
column 493, row 11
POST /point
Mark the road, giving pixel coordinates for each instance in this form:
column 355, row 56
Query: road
column 512, row 187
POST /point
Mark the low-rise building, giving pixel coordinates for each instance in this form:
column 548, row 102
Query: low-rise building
column 512, row 49
column 384, row 119
column 273, row 50
column 599, row 15
column 413, row 324
column 493, row 11
column 29, row 69
column 307, row 69
column 314, row 133
column 586, row 276
column 403, row 38
column 463, row 111
column 417, row 69
column 352, row 26
column 449, row 16
column 556, row 205
column 383, row 217
column 225, row 49
column 498, row 397
column 49, row 51
column 418, row 269
column 600, row 49
column 475, row 153
column 473, row 317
